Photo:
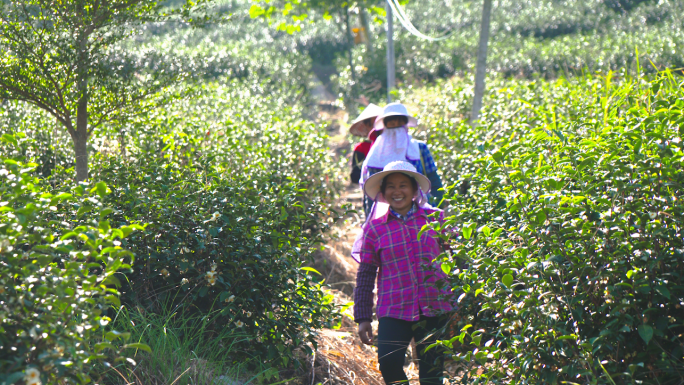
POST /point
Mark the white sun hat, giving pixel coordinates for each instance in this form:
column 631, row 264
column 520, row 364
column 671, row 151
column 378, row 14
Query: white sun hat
column 394, row 109
column 372, row 185
column 358, row 128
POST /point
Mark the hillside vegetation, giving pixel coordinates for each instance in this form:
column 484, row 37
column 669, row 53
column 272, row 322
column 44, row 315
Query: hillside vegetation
column 183, row 258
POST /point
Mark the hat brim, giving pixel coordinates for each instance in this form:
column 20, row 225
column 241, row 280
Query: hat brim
column 380, row 124
column 358, row 128
column 372, row 186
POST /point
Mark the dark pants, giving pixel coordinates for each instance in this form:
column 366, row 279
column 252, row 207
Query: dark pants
column 394, row 337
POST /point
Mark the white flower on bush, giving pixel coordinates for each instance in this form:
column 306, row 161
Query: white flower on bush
column 32, row 376
column 184, row 281
column 214, row 217
column 165, row 272
column 652, row 215
column 239, row 324
column 230, row 299
column 248, row 314
column 214, row 266
column 211, row 278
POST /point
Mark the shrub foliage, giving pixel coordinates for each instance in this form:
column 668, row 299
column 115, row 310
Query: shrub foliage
column 235, row 190
column 58, row 258
column 569, row 259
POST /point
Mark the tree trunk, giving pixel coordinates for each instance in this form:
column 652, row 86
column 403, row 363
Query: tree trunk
column 363, row 18
column 80, row 139
column 481, row 70
column 80, row 135
column 390, row 52
column 350, row 43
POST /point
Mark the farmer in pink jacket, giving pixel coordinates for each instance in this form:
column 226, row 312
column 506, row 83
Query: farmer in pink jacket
column 410, row 306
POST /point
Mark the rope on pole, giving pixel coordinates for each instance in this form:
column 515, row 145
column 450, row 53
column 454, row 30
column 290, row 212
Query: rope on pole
column 406, row 23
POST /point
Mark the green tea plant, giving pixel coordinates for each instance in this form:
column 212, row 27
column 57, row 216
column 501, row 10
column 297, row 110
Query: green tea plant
column 237, row 191
column 57, row 278
column 567, row 266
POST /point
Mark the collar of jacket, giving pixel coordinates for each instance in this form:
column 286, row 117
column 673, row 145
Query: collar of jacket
column 415, row 211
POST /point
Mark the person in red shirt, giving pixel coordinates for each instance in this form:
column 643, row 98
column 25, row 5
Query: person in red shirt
column 363, row 127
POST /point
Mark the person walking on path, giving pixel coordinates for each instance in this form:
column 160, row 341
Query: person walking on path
column 362, row 126
column 409, row 305
column 395, row 143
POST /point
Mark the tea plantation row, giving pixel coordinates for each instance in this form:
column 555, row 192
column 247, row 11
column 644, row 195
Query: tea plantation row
column 567, row 204
column 208, row 208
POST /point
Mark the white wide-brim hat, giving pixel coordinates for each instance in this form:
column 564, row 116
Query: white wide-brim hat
column 358, row 128
column 393, row 109
column 372, row 186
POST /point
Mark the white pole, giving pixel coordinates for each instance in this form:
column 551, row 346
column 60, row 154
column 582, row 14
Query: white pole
column 390, row 52
column 481, row 69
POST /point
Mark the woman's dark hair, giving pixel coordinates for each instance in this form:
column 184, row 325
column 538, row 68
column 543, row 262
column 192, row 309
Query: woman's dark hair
column 393, row 117
column 413, row 180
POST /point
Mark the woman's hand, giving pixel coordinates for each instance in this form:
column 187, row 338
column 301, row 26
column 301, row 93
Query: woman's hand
column 366, row 332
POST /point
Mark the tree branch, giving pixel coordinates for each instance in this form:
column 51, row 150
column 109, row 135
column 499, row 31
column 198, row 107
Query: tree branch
column 35, row 100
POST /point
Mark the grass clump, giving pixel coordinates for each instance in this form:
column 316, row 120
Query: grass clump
column 184, row 350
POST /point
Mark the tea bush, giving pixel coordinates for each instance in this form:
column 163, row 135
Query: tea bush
column 59, row 255
column 237, row 192
column 219, row 244
column 568, row 261
column 238, row 204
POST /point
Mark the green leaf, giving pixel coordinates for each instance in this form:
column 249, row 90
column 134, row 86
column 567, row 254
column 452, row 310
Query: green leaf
column 256, row 11
column 113, row 335
column 663, row 291
column 114, row 300
column 446, row 267
column 138, row 346
column 467, row 232
column 12, row 378
column 507, row 280
column 646, row 333
column 101, row 189
column 100, row 346
column 63, row 195
column 380, row 11
column 484, row 230
column 7, row 138
column 311, row 269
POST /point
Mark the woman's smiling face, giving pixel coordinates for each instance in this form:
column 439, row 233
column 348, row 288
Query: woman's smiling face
column 399, row 190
